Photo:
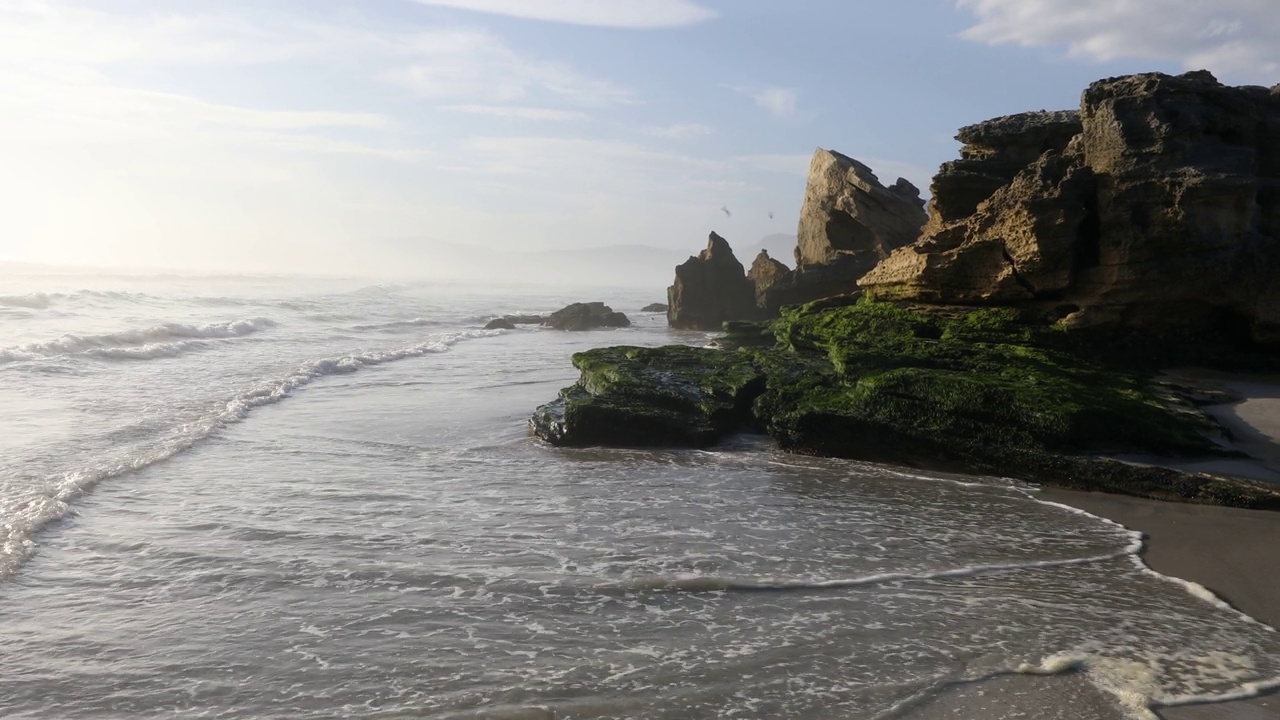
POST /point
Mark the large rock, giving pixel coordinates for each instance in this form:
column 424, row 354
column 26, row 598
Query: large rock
column 847, row 212
column 765, row 272
column 710, row 289
column 586, row 316
column 1160, row 214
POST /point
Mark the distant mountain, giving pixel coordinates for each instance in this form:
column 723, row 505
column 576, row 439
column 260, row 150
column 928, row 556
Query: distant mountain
column 781, row 247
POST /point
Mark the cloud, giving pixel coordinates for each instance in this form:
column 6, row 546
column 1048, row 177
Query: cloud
column 463, row 64
column 1235, row 38
column 680, row 131
column 517, row 112
column 638, row 14
column 779, row 101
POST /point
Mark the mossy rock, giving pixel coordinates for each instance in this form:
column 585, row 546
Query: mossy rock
column 646, row 397
column 980, row 390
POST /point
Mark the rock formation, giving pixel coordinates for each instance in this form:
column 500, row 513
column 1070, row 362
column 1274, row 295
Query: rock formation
column 849, row 223
column 586, row 316
column 654, row 308
column 764, row 273
column 500, row 324
column 1155, row 209
column 849, row 216
column 710, row 289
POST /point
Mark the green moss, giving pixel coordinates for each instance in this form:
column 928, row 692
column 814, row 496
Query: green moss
column 985, row 390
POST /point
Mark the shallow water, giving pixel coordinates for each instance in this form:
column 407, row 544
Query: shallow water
column 255, row 498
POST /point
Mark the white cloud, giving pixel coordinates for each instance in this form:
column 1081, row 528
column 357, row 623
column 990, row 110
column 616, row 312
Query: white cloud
column 601, row 13
column 1235, row 38
column 517, row 112
column 680, row 131
column 779, row 101
column 458, row 65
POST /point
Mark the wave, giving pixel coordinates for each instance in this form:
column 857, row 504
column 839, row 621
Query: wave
column 34, row 301
column 712, row 583
column 136, row 343
column 397, row 325
column 19, row 528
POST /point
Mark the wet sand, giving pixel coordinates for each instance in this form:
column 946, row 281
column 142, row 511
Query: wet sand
column 1233, row 552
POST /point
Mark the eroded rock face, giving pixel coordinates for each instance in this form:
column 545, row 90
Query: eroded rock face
column 710, row 289
column 1155, row 208
column 586, row 316
column 847, row 212
column 765, row 272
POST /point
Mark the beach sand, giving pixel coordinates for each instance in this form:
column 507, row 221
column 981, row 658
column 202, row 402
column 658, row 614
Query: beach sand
column 1233, row 552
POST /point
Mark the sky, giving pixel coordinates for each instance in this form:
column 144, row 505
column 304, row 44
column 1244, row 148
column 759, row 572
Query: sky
column 386, row 136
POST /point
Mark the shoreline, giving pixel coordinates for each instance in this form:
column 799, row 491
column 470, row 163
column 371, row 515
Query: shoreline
column 1233, row 552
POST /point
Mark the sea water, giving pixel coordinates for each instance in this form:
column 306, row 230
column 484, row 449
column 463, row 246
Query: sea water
column 282, row 498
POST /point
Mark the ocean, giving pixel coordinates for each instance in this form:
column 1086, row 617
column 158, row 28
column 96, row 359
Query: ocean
column 238, row 497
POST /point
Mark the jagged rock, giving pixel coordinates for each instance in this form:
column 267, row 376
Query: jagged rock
column 847, row 212
column 994, row 152
column 764, row 273
column 524, row 319
column 1160, row 216
column 500, row 324
column 654, row 308
column 710, row 289
column 1018, row 245
column 586, row 316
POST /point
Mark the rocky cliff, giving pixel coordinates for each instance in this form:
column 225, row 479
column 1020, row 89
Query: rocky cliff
column 1154, row 210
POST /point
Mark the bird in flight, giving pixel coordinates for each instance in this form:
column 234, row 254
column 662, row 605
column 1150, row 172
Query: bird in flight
column 770, row 214
column 726, row 212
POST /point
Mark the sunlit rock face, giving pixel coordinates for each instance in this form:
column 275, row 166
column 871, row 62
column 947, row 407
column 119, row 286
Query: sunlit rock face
column 1155, row 207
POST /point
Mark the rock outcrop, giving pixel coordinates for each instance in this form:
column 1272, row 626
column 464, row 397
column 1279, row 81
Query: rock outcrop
column 500, row 324
column 1154, row 210
column 586, row 316
column 654, row 308
column 848, row 214
column 710, row 289
column 849, row 223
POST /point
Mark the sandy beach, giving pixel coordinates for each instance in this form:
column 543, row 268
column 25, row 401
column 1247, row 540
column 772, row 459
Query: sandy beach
column 1233, row 552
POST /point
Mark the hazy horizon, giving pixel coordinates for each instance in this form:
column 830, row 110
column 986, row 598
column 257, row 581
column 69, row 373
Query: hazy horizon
column 322, row 138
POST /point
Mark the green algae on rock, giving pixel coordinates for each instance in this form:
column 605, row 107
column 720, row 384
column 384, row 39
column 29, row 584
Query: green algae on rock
column 983, row 390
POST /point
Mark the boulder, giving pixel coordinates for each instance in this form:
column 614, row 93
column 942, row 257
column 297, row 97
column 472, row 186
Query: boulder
column 710, row 289
column 524, row 319
column 586, row 316
column 654, row 308
column 848, row 213
column 1153, row 211
column 500, row 324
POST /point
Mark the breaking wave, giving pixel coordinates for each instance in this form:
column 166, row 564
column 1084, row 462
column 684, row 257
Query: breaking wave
column 35, row 301
column 157, row 341
column 32, row 514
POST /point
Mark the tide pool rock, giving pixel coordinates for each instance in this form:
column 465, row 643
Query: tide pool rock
column 586, row 316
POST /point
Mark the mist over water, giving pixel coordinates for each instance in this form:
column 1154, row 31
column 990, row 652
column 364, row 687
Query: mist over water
column 256, row 498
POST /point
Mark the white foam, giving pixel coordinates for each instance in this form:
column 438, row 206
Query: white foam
column 34, row 301
column 24, row 520
column 101, row 345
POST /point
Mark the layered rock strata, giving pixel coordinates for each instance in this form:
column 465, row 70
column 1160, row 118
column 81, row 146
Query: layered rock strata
column 1155, row 209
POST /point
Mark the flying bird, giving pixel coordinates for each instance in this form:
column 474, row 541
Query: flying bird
column 726, row 212
column 770, row 214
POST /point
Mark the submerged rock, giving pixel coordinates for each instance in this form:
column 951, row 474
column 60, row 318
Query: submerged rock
column 500, row 324
column 586, row 316
column 654, row 308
